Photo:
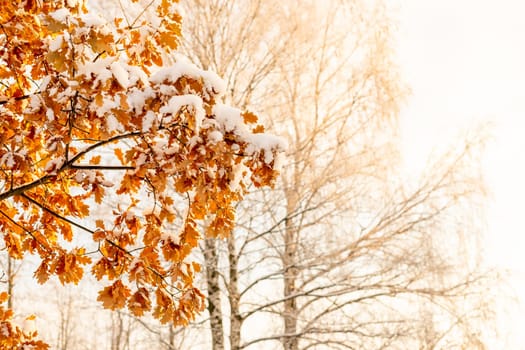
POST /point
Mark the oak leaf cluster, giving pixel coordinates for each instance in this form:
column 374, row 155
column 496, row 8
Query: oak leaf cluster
column 114, row 152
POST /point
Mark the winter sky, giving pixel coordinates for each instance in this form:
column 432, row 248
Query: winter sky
column 465, row 63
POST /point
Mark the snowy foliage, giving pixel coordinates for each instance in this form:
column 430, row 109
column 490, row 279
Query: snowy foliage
column 82, row 99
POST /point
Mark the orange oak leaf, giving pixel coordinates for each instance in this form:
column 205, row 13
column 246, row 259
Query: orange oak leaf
column 85, row 105
column 115, row 296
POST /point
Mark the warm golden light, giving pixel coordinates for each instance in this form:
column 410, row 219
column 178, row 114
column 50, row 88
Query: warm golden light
column 464, row 62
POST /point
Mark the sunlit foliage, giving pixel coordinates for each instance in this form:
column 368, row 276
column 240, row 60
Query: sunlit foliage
column 94, row 113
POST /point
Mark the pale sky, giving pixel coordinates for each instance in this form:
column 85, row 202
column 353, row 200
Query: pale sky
column 465, row 63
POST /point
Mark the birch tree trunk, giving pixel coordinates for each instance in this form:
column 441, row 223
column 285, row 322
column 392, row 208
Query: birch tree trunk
column 214, row 293
column 10, row 281
column 290, row 258
column 234, row 297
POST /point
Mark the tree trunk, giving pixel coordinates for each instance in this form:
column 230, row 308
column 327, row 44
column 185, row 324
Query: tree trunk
column 63, row 335
column 171, row 337
column 120, row 332
column 10, row 282
column 290, row 341
column 233, row 290
column 214, row 293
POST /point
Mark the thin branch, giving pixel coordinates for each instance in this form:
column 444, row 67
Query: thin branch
column 18, row 98
column 101, row 167
column 67, row 165
column 55, row 214
column 24, row 229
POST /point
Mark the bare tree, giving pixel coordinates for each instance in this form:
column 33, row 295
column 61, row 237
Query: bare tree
column 346, row 252
column 68, row 317
column 245, row 51
column 9, row 270
column 121, row 327
column 354, row 248
column 67, row 314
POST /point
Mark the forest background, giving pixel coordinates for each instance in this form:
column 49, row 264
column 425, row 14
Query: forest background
column 352, row 231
